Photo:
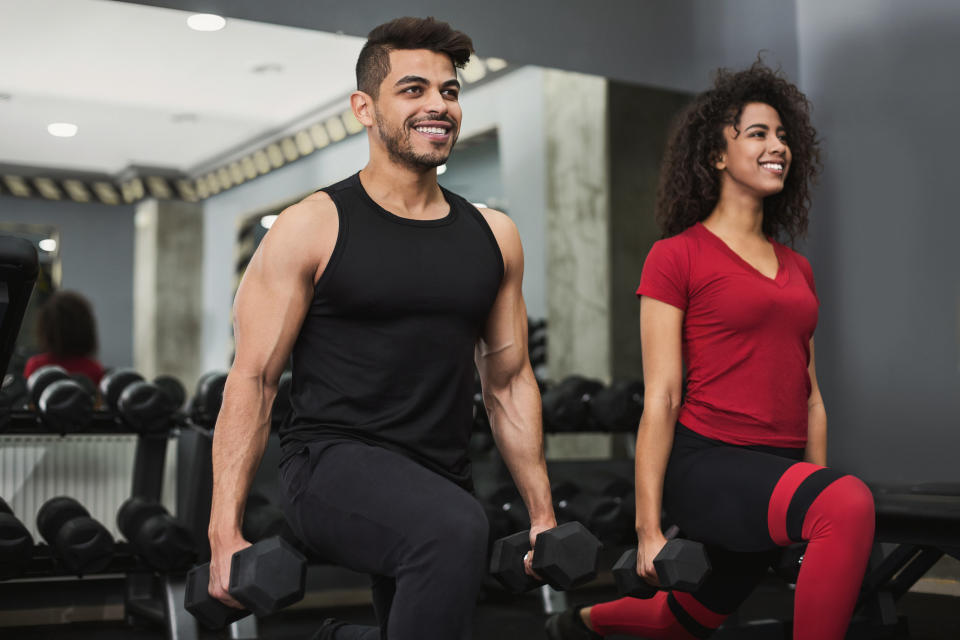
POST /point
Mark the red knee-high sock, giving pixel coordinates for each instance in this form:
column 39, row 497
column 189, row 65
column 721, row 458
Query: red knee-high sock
column 834, row 514
column 676, row 616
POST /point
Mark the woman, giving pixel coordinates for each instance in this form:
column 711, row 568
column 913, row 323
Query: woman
column 67, row 334
column 738, row 460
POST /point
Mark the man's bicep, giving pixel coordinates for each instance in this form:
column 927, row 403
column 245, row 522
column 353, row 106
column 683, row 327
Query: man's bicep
column 503, row 344
column 270, row 306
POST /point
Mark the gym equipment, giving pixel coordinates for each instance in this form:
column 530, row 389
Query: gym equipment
column 566, row 405
column 79, row 542
column 16, row 544
column 65, row 405
column 144, row 406
column 566, row 556
column 174, row 390
column 264, row 577
column 164, row 544
column 619, row 406
column 682, row 565
column 603, row 515
column 19, row 266
column 205, row 406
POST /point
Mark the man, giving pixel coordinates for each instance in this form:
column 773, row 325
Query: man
column 386, row 289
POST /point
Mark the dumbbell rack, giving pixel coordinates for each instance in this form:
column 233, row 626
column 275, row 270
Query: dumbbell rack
column 147, row 595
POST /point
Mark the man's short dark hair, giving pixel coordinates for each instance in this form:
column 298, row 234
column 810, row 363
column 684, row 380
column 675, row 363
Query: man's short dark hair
column 373, row 65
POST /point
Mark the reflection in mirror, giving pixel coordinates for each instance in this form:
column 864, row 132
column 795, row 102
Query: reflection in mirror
column 46, row 238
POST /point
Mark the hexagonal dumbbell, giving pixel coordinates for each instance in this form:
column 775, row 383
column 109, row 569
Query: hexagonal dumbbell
column 264, row 577
column 565, row 556
column 682, row 565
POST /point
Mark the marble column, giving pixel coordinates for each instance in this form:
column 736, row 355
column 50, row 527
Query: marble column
column 168, row 295
column 578, row 208
column 604, row 143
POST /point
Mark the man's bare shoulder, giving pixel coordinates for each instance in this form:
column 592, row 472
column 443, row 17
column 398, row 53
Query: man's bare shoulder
column 305, row 232
column 504, row 230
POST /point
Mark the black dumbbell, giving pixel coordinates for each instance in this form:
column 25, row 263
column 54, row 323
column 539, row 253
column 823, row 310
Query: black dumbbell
column 164, row 544
column 565, row 556
column 64, row 404
column 264, row 577
column 175, row 392
column 16, row 544
column 82, row 544
column 144, row 406
column 682, row 565
column 788, row 561
column 619, row 406
column 566, row 405
column 205, row 405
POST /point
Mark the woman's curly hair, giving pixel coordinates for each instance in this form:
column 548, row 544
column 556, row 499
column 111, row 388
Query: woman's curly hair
column 689, row 184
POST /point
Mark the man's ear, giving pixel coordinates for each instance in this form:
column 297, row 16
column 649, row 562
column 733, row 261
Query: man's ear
column 362, row 105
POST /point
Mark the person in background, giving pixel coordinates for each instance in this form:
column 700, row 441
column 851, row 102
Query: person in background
column 67, row 333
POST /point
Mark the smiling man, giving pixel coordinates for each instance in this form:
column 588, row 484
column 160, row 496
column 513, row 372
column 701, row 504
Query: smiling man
column 386, row 289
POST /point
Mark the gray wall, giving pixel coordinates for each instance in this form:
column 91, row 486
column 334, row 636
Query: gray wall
column 672, row 44
column 96, row 253
column 885, row 227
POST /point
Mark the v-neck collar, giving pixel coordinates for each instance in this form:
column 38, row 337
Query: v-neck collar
column 783, row 274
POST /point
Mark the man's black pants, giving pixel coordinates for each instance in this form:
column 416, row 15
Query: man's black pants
column 422, row 538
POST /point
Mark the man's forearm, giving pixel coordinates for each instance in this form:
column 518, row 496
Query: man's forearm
column 515, row 419
column 239, row 440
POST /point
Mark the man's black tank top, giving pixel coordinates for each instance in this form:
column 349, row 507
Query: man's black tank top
column 385, row 353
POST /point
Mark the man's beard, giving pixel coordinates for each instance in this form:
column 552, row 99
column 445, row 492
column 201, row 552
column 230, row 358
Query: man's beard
column 401, row 150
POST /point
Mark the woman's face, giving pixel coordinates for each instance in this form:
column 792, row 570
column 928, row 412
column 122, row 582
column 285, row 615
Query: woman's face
column 757, row 157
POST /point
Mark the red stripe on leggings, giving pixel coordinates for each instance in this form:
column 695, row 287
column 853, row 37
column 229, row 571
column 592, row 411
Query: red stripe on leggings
column 780, row 499
column 697, row 611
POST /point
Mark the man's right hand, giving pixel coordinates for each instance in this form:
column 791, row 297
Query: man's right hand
column 647, row 549
column 221, row 553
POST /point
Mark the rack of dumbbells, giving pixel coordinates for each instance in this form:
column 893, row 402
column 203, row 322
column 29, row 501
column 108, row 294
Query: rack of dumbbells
column 156, row 549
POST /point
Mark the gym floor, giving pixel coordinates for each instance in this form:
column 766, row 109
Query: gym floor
column 930, row 617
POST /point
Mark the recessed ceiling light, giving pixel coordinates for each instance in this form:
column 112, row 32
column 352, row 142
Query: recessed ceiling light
column 206, row 22
column 267, row 221
column 441, row 169
column 62, row 129
column 49, row 245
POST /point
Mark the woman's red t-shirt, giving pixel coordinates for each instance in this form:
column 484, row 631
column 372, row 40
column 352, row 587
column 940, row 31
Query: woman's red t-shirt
column 746, row 337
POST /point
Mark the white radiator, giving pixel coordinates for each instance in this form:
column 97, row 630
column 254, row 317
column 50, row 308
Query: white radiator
column 97, row 470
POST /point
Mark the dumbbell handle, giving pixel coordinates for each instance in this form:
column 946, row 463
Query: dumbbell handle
column 213, row 614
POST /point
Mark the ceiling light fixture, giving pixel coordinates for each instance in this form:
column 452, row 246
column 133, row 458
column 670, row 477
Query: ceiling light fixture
column 62, row 129
column 441, row 169
column 267, row 221
column 49, row 245
column 206, row 22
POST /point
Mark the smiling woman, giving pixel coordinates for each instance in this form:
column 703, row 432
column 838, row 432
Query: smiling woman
column 690, row 181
